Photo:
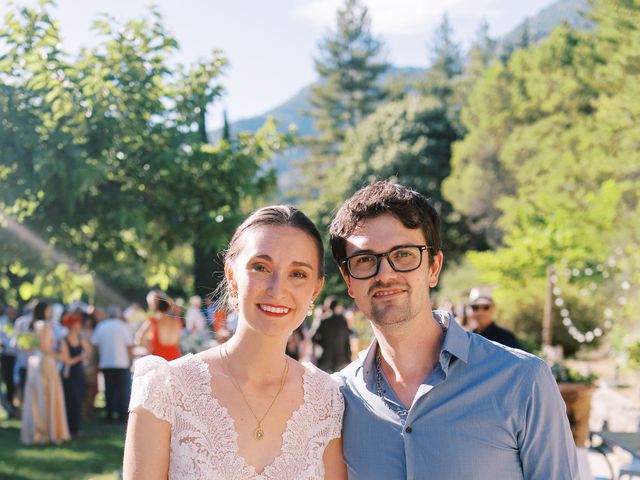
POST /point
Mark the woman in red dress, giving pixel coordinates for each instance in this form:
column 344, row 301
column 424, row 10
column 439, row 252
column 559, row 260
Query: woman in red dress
column 163, row 331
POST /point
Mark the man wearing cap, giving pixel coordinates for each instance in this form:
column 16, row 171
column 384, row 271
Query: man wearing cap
column 429, row 400
column 482, row 309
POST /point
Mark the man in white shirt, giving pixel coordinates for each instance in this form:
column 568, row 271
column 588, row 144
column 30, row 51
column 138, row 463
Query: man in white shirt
column 195, row 320
column 114, row 341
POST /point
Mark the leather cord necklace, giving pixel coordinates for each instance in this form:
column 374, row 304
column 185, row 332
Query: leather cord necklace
column 258, row 433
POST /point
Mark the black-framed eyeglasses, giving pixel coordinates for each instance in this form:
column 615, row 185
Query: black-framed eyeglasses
column 403, row 258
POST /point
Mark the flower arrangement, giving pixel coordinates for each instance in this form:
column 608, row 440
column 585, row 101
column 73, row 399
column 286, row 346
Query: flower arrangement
column 27, row 341
column 564, row 374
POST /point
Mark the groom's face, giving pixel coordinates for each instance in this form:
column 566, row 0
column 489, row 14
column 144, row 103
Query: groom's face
column 391, row 297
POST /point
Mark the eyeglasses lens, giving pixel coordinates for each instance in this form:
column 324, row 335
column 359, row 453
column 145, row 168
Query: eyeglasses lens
column 403, row 259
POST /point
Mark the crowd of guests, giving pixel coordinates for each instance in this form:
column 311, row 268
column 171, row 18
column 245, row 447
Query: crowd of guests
column 52, row 358
column 52, row 355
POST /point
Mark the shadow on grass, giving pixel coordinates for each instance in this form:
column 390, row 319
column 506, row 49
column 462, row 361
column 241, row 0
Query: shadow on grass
column 97, row 453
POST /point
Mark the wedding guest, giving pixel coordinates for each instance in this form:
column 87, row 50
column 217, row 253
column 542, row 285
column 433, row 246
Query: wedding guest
column 44, row 418
column 195, row 321
column 74, row 349
column 162, row 331
column 482, row 310
column 333, row 335
column 114, row 343
column 8, row 357
column 90, row 367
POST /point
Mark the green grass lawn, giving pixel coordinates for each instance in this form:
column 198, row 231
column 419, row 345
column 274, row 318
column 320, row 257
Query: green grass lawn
column 96, row 454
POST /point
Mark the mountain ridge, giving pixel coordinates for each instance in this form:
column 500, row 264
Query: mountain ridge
column 293, row 110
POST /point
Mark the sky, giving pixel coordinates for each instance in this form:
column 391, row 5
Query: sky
column 271, row 44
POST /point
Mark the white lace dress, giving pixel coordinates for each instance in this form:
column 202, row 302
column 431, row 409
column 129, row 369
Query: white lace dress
column 203, row 440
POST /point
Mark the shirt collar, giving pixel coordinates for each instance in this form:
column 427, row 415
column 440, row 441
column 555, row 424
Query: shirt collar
column 456, row 343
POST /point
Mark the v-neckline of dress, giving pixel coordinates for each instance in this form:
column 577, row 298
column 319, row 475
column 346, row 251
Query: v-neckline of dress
column 233, row 441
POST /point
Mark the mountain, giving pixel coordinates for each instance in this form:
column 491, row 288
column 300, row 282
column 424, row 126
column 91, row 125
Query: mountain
column 295, row 110
column 571, row 12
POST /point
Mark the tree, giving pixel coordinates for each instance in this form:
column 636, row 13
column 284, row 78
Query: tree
column 446, row 65
column 536, row 84
column 104, row 155
column 349, row 66
column 479, row 57
column 558, row 125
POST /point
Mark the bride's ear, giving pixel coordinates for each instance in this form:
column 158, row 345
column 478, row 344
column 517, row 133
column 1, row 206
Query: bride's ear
column 318, row 288
column 229, row 275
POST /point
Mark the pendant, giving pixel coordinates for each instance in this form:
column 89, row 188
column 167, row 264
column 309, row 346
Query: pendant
column 259, row 433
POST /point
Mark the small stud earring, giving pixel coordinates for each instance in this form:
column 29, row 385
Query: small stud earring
column 234, row 299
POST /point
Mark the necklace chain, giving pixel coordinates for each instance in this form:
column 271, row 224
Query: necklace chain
column 258, row 433
column 401, row 411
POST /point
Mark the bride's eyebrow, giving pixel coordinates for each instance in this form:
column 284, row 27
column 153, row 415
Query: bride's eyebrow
column 302, row 264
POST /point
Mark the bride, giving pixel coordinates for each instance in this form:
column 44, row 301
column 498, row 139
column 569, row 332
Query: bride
column 244, row 409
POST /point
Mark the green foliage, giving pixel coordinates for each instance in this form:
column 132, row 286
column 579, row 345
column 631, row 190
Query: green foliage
column 349, row 66
column 407, row 141
column 634, row 354
column 480, row 56
column 446, row 65
column 410, row 141
column 104, row 155
column 27, row 341
column 567, row 375
column 549, row 167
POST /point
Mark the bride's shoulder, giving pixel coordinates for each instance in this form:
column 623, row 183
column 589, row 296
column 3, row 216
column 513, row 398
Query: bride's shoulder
column 319, row 377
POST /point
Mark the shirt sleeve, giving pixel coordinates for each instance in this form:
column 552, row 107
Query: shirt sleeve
column 94, row 337
column 128, row 336
column 151, row 388
column 547, row 449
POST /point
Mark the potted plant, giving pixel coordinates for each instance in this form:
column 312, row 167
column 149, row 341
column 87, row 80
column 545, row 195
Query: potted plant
column 576, row 390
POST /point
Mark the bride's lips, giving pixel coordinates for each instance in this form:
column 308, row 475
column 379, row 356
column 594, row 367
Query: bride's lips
column 274, row 310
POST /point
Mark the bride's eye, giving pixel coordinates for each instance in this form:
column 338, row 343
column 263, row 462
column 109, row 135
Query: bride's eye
column 258, row 267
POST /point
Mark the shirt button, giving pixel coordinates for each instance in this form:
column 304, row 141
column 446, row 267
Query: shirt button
column 408, row 429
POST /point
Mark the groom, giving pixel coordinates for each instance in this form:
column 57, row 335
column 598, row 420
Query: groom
column 428, row 400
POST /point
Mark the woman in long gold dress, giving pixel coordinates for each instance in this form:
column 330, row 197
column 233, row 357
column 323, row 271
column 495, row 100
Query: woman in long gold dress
column 44, row 419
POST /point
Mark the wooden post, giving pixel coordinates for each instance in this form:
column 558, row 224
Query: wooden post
column 548, row 309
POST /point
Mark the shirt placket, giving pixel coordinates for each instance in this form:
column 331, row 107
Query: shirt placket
column 408, row 416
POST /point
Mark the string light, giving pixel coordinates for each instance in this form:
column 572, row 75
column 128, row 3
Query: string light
column 591, row 335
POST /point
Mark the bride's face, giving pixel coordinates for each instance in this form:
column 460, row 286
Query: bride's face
column 276, row 276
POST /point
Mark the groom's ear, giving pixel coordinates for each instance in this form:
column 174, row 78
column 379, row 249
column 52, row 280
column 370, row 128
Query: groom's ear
column 347, row 279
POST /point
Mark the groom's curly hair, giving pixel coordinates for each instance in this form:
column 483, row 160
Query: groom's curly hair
column 385, row 197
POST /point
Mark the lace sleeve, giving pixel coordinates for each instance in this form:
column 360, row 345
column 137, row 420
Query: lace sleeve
column 337, row 409
column 151, row 388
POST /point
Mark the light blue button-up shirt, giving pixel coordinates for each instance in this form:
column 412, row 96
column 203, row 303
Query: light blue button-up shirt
column 485, row 412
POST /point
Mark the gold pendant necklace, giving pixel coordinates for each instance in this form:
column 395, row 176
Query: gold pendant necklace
column 258, row 433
